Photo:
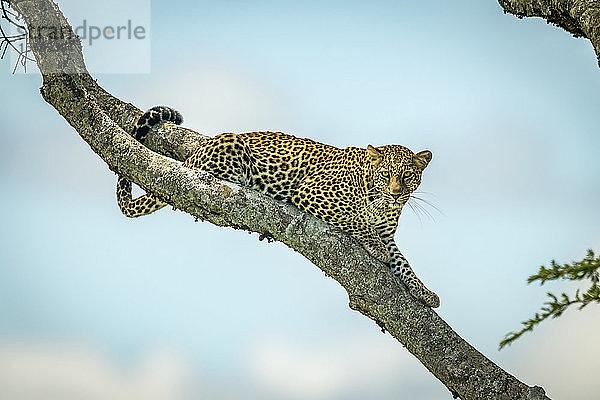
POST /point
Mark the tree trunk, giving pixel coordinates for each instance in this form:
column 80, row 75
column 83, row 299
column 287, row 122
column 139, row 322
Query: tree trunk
column 103, row 122
column 579, row 17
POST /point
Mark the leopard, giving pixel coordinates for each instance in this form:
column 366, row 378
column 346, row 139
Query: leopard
column 361, row 191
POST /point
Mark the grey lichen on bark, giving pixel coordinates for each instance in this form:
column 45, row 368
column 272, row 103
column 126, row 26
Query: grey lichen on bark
column 103, row 122
column 581, row 18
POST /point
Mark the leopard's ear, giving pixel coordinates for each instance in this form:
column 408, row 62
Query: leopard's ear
column 375, row 155
column 422, row 158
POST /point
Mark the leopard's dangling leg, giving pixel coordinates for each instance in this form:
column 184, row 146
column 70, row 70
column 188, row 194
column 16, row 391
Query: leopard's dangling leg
column 147, row 203
column 401, row 269
column 133, row 208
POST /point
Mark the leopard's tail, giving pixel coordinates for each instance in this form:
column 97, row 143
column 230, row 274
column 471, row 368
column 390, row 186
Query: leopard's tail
column 147, row 203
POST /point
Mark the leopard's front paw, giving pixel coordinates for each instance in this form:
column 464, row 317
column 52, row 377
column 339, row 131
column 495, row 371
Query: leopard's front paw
column 431, row 299
column 425, row 295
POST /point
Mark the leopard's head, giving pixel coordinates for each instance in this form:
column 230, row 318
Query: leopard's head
column 397, row 173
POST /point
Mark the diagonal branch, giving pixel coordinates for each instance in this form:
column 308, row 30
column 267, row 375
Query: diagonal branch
column 578, row 17
column 103, row 120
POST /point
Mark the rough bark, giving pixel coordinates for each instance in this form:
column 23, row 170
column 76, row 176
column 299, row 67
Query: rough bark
column 103, row 120
column 578, row 17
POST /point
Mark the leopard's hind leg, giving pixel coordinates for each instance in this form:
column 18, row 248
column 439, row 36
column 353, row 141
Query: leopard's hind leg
column 137, row 207
column 225, row 156
column 147, row 203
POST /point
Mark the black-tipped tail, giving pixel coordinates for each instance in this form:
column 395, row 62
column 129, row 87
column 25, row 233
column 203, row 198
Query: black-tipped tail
column 153, row 116
column 147, row 203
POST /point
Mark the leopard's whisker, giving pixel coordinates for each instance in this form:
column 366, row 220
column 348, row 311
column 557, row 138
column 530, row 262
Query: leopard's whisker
column 412, row 207
column 423, row 192
column 429, row 203
column 425, row 211
column 419, row 209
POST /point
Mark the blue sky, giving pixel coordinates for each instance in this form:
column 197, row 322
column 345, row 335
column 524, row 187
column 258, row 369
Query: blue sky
column 165, row 308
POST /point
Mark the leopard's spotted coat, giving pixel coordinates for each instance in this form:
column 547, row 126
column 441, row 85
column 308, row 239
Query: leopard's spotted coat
column 361, row 191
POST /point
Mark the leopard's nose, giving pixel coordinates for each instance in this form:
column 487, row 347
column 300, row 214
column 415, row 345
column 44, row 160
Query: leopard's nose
column 395, row 187
column 395, row 195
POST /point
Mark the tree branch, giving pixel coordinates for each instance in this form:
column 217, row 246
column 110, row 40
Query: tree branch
column 578, row 17
column 102, row 121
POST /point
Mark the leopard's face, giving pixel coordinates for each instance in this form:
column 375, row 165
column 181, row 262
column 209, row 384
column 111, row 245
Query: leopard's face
column 397, row 173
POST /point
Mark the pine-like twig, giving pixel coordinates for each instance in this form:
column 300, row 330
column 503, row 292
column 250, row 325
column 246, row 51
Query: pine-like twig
column 588, row 268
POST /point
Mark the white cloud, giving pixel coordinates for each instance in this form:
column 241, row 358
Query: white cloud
column 42, row 371
column 216, row 97
column 338, row 368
